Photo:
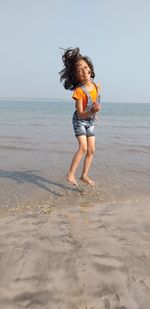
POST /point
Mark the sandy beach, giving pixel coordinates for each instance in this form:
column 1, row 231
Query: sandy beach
column 76, row 254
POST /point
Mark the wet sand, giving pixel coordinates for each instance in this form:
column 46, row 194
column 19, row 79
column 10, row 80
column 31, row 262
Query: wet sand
column 76, row 255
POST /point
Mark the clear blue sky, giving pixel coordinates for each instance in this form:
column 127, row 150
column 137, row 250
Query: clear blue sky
column 113, row 33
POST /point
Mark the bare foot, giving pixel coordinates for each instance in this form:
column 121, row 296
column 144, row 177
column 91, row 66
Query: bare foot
column 71, row 179
column 87, row 180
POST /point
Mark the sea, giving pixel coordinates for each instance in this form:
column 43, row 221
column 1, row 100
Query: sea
column 37, row 144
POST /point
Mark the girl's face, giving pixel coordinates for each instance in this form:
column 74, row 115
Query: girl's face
column 83, row 72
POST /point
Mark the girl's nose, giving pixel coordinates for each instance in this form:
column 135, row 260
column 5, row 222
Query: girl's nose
column 86, row 70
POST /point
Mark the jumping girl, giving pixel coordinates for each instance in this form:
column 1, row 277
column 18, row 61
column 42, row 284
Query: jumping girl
column 77, row 75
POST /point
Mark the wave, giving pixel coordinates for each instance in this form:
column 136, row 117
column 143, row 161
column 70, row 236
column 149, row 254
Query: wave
column 10, row 147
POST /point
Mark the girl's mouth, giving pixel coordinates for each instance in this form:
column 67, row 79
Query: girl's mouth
column 87, row 76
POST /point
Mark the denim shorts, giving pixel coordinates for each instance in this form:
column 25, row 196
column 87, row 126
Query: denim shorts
column 83, row 126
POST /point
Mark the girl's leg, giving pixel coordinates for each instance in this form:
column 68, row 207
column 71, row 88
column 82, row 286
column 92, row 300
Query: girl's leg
column 82, row 140
column 88, row 160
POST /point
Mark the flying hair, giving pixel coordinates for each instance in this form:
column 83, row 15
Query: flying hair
column 70, row 58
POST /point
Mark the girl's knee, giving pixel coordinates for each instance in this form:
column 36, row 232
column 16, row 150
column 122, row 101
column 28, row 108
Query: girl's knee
column 83, row 149
column 91, row 151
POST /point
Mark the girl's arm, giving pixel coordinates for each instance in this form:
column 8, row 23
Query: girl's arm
column 85, row 114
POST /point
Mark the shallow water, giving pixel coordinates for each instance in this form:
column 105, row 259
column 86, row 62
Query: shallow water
column 37, row 144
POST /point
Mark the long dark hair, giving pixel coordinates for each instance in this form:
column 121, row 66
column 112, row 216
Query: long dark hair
column 68, row 74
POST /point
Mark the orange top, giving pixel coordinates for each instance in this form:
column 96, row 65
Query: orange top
column 79, row 94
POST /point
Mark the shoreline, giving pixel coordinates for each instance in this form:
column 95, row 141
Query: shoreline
column 24, row 189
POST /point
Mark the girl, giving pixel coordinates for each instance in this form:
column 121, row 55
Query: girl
column 78, row 74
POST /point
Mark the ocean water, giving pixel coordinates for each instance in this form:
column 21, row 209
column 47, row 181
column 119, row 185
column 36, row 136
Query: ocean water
column 37, row 144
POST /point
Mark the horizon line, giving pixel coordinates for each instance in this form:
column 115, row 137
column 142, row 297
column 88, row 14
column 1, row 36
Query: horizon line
column 60, row 99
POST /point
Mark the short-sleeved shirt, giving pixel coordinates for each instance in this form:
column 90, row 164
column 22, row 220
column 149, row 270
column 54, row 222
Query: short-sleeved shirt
column 79, row 94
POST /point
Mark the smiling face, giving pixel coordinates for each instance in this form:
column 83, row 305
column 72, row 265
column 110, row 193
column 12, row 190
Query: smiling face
column 83, row 72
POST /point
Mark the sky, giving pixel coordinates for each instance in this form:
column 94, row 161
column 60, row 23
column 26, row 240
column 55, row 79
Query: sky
column 113, row 33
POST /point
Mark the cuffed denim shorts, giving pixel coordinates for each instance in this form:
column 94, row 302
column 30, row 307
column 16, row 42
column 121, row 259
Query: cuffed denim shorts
column 83, row 126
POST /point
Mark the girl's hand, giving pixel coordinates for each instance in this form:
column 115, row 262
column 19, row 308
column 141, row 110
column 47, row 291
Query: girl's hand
column 96, row 107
